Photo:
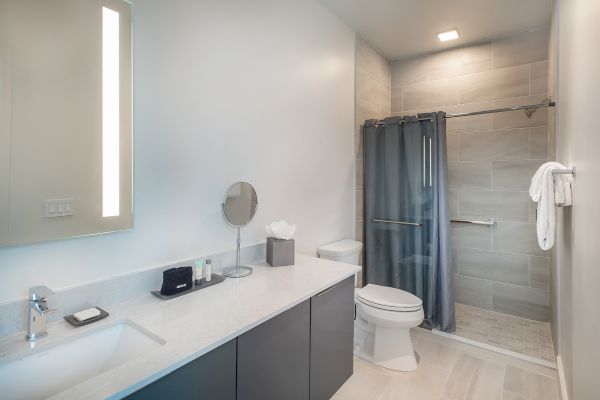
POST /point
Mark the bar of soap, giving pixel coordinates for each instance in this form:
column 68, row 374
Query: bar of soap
column 84, row 315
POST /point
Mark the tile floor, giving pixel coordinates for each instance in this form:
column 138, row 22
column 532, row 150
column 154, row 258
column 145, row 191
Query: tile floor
column 502, row 330
column 449, row 370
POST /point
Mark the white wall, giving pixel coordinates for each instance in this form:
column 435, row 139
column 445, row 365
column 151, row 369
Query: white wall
column 257, row 90
column 578, row 144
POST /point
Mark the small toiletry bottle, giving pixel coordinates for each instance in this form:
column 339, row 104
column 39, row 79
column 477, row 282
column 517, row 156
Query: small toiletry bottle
column 208, row 268
column 198, row 270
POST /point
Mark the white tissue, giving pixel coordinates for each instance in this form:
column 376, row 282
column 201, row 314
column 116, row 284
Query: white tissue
column 281, row 230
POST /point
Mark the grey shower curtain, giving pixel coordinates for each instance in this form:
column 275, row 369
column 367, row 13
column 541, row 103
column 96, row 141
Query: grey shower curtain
column 407, row 226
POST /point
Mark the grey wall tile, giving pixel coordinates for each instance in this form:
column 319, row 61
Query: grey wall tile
column 552, row 133
column 469, row 124
column 469, row 175
column 358, row 143
column 358, row 231
column 372, row 90
column 365, row 110
column 500, row 205
column 521, row 301
column 538, row 143
column 453, row 203
column 539, row 272
column 397, row 99
column 516, row 237
column 513, row 175
column 539, row 77
column 521, row 49
column 496, row 84
column 519, row 119
column 461, row 61
column 532, row 211
column 472, row 291
column 473, row 123
column 469, row 235
column 496, row 266
column 372, row 62
column 359, row 204
column 495, row 145
column 409, row 71
column 359, row 165
column 430, row 94
column 452, row 147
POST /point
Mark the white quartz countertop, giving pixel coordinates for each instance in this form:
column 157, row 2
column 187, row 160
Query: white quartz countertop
column 194, row 324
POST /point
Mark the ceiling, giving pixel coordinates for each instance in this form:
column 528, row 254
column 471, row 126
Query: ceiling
column 401, row 29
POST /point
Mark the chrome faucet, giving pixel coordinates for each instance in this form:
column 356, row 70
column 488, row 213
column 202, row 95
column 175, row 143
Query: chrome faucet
column 37, row 310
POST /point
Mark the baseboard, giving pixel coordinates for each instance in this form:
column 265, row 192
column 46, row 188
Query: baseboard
column 562, row 382
column 500, row 350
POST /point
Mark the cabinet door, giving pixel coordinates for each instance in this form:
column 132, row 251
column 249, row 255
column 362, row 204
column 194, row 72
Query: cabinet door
column 273, row 358
column 211, row 376
column 331, row 337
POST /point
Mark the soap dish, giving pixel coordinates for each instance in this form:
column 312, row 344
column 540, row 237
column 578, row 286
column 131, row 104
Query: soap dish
column 73, row 321
column 199, row 284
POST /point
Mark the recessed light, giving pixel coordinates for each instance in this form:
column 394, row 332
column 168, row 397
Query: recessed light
column 448, row 35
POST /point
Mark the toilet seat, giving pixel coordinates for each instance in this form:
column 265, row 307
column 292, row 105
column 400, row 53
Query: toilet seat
column 389, row 299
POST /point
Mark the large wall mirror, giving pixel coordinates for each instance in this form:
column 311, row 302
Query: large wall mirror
column 65, row 119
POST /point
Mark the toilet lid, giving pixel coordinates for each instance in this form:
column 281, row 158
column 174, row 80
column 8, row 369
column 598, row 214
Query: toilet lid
column 389, row 298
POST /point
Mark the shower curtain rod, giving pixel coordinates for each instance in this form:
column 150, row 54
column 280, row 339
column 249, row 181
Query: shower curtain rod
column 544, row 104
column 547, row 103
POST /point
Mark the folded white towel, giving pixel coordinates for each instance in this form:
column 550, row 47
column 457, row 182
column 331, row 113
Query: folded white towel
column 547, row 192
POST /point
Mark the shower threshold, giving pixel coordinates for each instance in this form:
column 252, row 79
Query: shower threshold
column 505, row 334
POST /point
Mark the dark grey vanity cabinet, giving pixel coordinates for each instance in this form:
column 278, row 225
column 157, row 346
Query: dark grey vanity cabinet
column 211, row 376
column 304, row 353
column 273, row 358
column 331, row 339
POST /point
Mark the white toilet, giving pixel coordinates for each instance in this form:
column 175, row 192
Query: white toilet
column 384, row 316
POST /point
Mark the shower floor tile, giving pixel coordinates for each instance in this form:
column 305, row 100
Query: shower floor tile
column 512, row 333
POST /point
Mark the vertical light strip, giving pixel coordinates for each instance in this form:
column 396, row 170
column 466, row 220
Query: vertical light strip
column 110, row 113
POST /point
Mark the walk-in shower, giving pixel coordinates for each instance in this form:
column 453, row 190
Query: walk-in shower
column 407, row 235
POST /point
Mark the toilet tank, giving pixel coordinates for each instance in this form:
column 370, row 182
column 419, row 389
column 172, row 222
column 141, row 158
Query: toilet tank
column 346, row 251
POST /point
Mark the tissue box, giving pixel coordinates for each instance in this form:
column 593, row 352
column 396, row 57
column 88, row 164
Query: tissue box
column 280, row 252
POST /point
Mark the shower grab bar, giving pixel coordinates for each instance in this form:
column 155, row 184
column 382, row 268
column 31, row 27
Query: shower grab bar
column 489, row 222
column 387, row 221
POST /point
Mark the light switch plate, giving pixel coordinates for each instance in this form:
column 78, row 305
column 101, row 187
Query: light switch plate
column 58, row 208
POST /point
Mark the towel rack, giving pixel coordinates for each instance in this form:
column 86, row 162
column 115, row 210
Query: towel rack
column 489, row 222
column 388, row 221
column 570, row 171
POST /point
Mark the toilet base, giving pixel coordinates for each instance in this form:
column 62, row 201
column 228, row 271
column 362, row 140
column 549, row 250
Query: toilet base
column 388, row 348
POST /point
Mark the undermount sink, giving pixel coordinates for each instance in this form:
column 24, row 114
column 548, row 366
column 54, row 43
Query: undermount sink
column 37, row 374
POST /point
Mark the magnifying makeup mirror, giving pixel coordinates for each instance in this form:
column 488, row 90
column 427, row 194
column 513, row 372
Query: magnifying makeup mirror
column 239, row 208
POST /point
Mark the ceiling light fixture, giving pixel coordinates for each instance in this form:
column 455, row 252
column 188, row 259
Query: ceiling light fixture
column 448, row 35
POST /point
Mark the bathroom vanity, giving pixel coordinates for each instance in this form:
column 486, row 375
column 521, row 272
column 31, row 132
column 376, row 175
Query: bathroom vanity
column 304, row 352
column 280, row 333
